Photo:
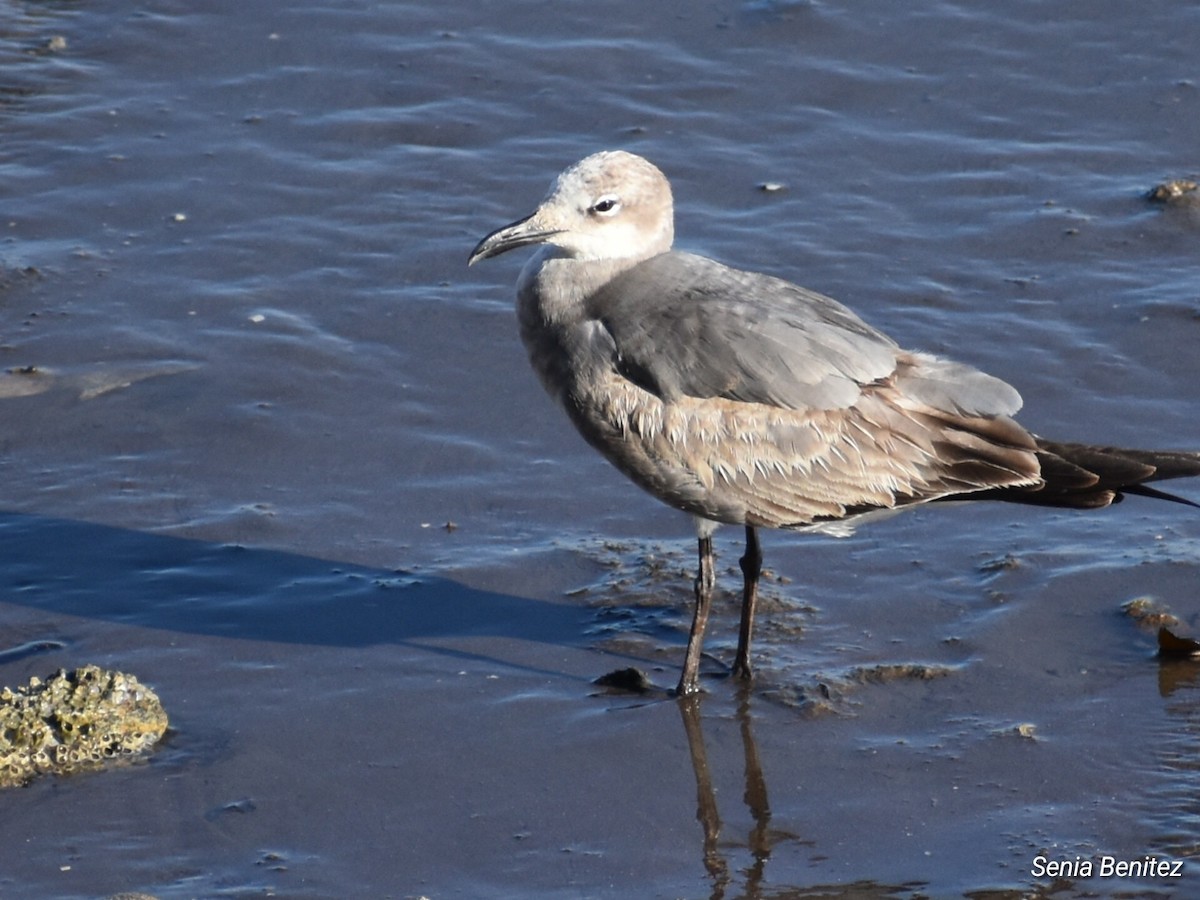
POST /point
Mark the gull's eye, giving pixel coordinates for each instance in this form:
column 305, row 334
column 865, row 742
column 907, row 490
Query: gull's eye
column 607, row 205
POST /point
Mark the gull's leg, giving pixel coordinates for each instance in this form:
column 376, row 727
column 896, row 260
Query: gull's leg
column 689, row 681
column 751, row 563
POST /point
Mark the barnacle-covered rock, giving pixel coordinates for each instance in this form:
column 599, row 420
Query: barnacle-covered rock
column 1180, row 191
column 75, row 721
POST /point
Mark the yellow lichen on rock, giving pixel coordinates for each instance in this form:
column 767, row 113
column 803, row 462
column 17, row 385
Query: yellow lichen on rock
column 75, row 721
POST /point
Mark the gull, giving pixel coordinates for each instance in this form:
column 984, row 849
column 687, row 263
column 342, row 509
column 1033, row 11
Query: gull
column 744, row 399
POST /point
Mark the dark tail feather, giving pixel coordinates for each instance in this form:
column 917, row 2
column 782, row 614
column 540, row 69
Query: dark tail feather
column 1143, row 491
column 1084, row 477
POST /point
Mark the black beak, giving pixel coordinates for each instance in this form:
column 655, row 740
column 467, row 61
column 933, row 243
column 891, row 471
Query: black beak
column 510, row 237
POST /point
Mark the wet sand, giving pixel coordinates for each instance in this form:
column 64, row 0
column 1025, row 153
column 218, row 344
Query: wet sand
column 269, row 446
column 407, row 735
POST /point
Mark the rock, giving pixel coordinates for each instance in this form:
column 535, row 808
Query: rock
column 1180, row 191
column 75, row 721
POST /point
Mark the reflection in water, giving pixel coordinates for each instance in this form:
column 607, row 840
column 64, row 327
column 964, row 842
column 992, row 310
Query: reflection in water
column 1176, row 808
column 761, row 839
column 1176, row 675
column 706, row 801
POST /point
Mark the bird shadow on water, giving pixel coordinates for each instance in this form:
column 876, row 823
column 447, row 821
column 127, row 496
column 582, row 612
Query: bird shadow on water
column 99, row 572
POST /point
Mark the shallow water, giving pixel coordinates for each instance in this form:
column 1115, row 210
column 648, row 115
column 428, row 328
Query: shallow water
column 270, row 446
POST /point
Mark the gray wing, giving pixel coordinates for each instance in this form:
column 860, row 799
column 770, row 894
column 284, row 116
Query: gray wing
column 683, row 325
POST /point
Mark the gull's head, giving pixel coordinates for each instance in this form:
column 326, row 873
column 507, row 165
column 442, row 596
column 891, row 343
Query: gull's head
column 611, row 205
